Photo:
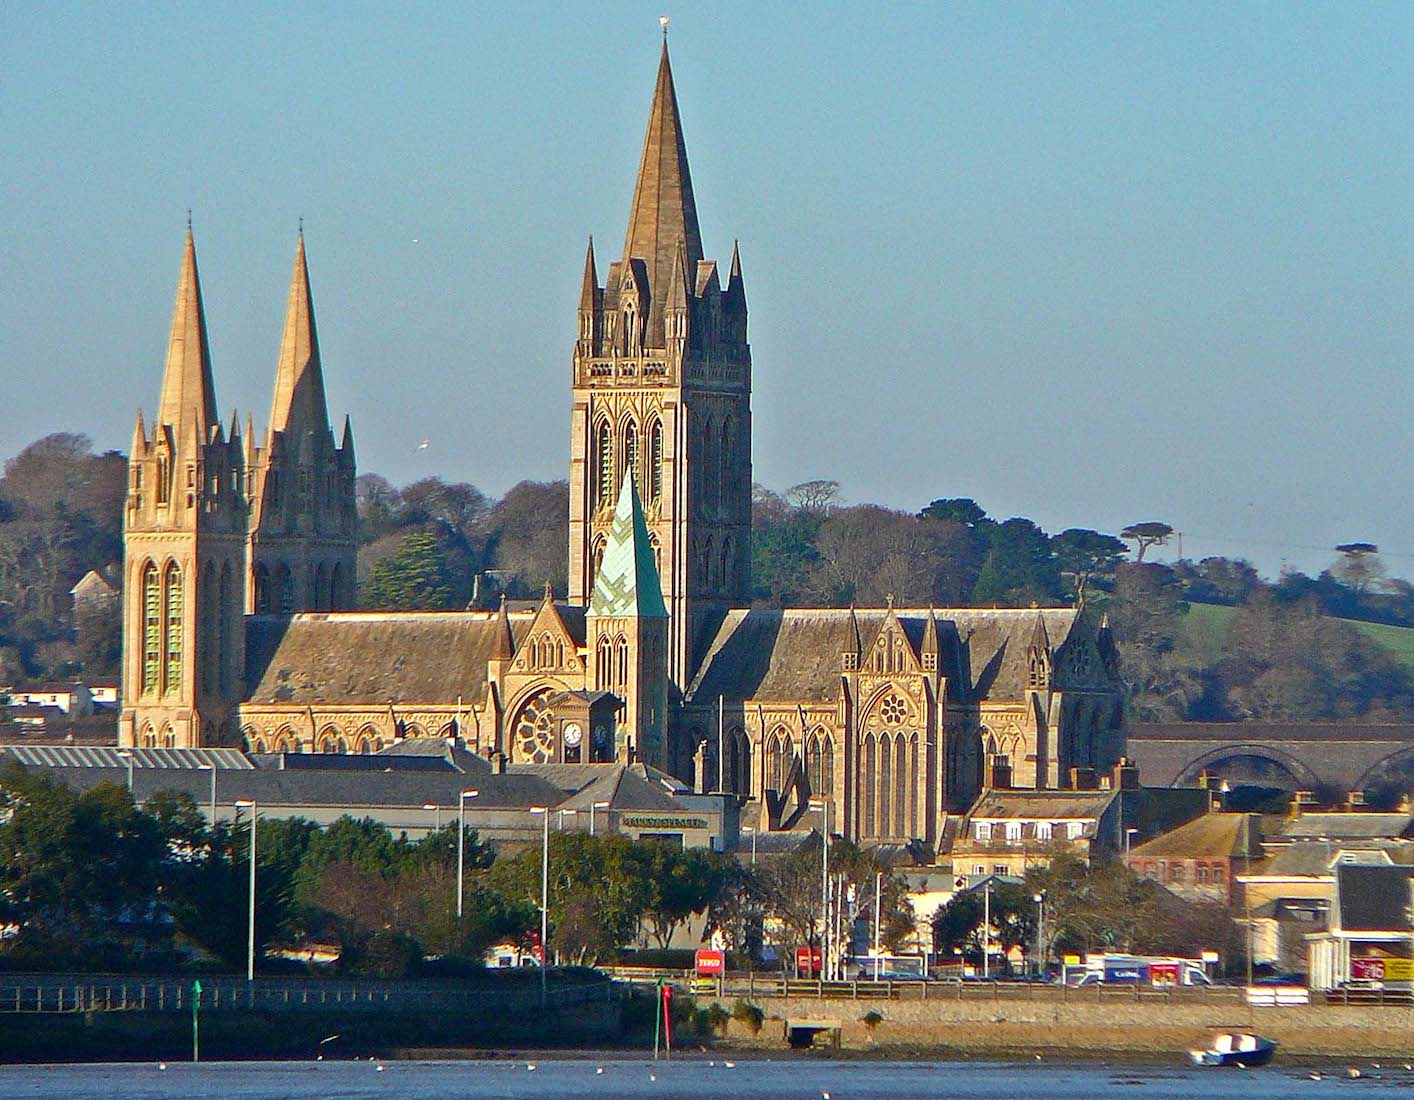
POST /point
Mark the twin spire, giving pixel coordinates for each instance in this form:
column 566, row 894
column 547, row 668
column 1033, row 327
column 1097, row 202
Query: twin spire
column 663, row 218
column 187, row 388
column 188, row 392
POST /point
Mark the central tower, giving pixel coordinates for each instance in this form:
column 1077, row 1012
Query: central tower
column 662, row 389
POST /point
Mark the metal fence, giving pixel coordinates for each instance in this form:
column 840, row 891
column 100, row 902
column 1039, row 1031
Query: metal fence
column 119, row 993
column 769, row 986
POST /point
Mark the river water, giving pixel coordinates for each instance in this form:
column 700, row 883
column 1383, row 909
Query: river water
column 693, row 1078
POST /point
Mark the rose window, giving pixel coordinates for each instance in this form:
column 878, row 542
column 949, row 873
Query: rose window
column 534, row 739
column 893, row 710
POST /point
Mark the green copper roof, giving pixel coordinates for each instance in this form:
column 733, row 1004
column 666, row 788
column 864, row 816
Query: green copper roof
column 627, row 585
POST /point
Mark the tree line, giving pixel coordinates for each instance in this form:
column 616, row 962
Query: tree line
column 435, row 544
column 1100, row 908
column 91, row 881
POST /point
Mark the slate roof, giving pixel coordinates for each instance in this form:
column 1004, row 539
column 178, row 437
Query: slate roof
column 372, row 658
column 794, row 654
column 1374, row 899
column 627, row 584
column 1353, row 826
column 1041, row 805
column 1230, row 836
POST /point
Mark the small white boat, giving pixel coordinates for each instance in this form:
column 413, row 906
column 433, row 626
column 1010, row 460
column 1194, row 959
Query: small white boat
column 1238, row 1048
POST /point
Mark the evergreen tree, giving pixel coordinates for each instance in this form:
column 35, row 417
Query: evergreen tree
column 414, row 578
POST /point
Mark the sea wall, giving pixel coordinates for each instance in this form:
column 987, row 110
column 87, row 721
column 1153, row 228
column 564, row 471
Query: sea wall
column 1052, row 1027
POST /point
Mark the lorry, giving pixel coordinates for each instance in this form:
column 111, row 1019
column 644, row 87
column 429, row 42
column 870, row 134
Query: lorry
column 1159, row 971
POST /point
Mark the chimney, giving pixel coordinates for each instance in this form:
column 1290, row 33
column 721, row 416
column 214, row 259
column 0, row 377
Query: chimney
column 1125, row 774
column 1083, row 779
column 1299, row 801
column 499, row 761
column 998, row 772
column 1355, row 800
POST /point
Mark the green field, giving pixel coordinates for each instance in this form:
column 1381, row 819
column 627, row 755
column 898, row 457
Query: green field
column 1399, row 640
column 1206, row 628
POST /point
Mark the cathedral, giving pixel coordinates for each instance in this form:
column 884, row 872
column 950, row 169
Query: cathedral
column 240, row 627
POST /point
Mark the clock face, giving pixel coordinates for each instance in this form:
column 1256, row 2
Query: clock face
column 572, row 734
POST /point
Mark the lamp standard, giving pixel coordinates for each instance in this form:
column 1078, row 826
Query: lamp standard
column 878, row 916
column 592, row 807
column 987, row 928
column 749, row 829
column 128, row 759
column 1040, row 900
column 250, row 930
column 563, row 814
column 212, row 769
column 436, row 809
column 461, row 843
column 824, row 807
column 544, row 896
column 1127, row 834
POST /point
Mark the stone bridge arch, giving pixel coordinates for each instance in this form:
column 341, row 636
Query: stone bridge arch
column 1260, row 765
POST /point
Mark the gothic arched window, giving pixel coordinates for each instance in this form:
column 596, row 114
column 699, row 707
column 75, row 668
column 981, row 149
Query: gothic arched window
column 631, row 449
column 725, row 466
column 621, row 666
column 597, row 556
column 262, row 590
column 151, row 628
column 285, row 587
column 603, row 466
column 869, row 784
column 223, row 630
column 207, row 631
column 655, row 462
column 172, row 592
column 709, row 471
column 604, row 664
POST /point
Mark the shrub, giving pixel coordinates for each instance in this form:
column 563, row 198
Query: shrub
column 872, row 1019
column 748, row 1015
column 713, row 1019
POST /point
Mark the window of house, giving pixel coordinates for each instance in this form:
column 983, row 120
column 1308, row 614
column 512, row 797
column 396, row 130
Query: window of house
column 984, row 830
column 1043, row 830
column 1218, row 873
column 1176, row 871
column 979, row 869
column 1013, row 832
column 1074, row 829
column 1000, row 869
column 1202, row 872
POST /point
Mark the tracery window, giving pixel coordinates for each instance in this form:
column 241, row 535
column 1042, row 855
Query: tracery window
column 533, row 735
column 655, row 462
column 172, row 585
column 151, row 628
column 631, row 449
column 604, row 466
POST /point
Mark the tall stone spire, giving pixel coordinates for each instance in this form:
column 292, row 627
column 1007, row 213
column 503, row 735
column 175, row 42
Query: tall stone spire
column 187, row 389
column 299, row 406
column 627, row 585
column 664, row 214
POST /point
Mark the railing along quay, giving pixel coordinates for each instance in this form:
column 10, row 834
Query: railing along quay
column 140, row 994
column 752, row 986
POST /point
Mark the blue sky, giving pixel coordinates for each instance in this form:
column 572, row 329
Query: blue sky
column 1089, row 264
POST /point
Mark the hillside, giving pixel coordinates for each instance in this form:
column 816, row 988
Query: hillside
column 1206, row 627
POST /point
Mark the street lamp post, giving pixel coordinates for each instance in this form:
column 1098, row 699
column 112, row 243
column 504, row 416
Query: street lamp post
column 749, row 829
column 128, row 759
column 544, row 896
column 592, row 807
column 824, row 807
column 564, row 814
column 436, row 808
column 878, row 917
column 250, row 929
column 461, row 843
column 1127, row 834
column 987, row 928
column 1040, row 900
column 212, row 769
